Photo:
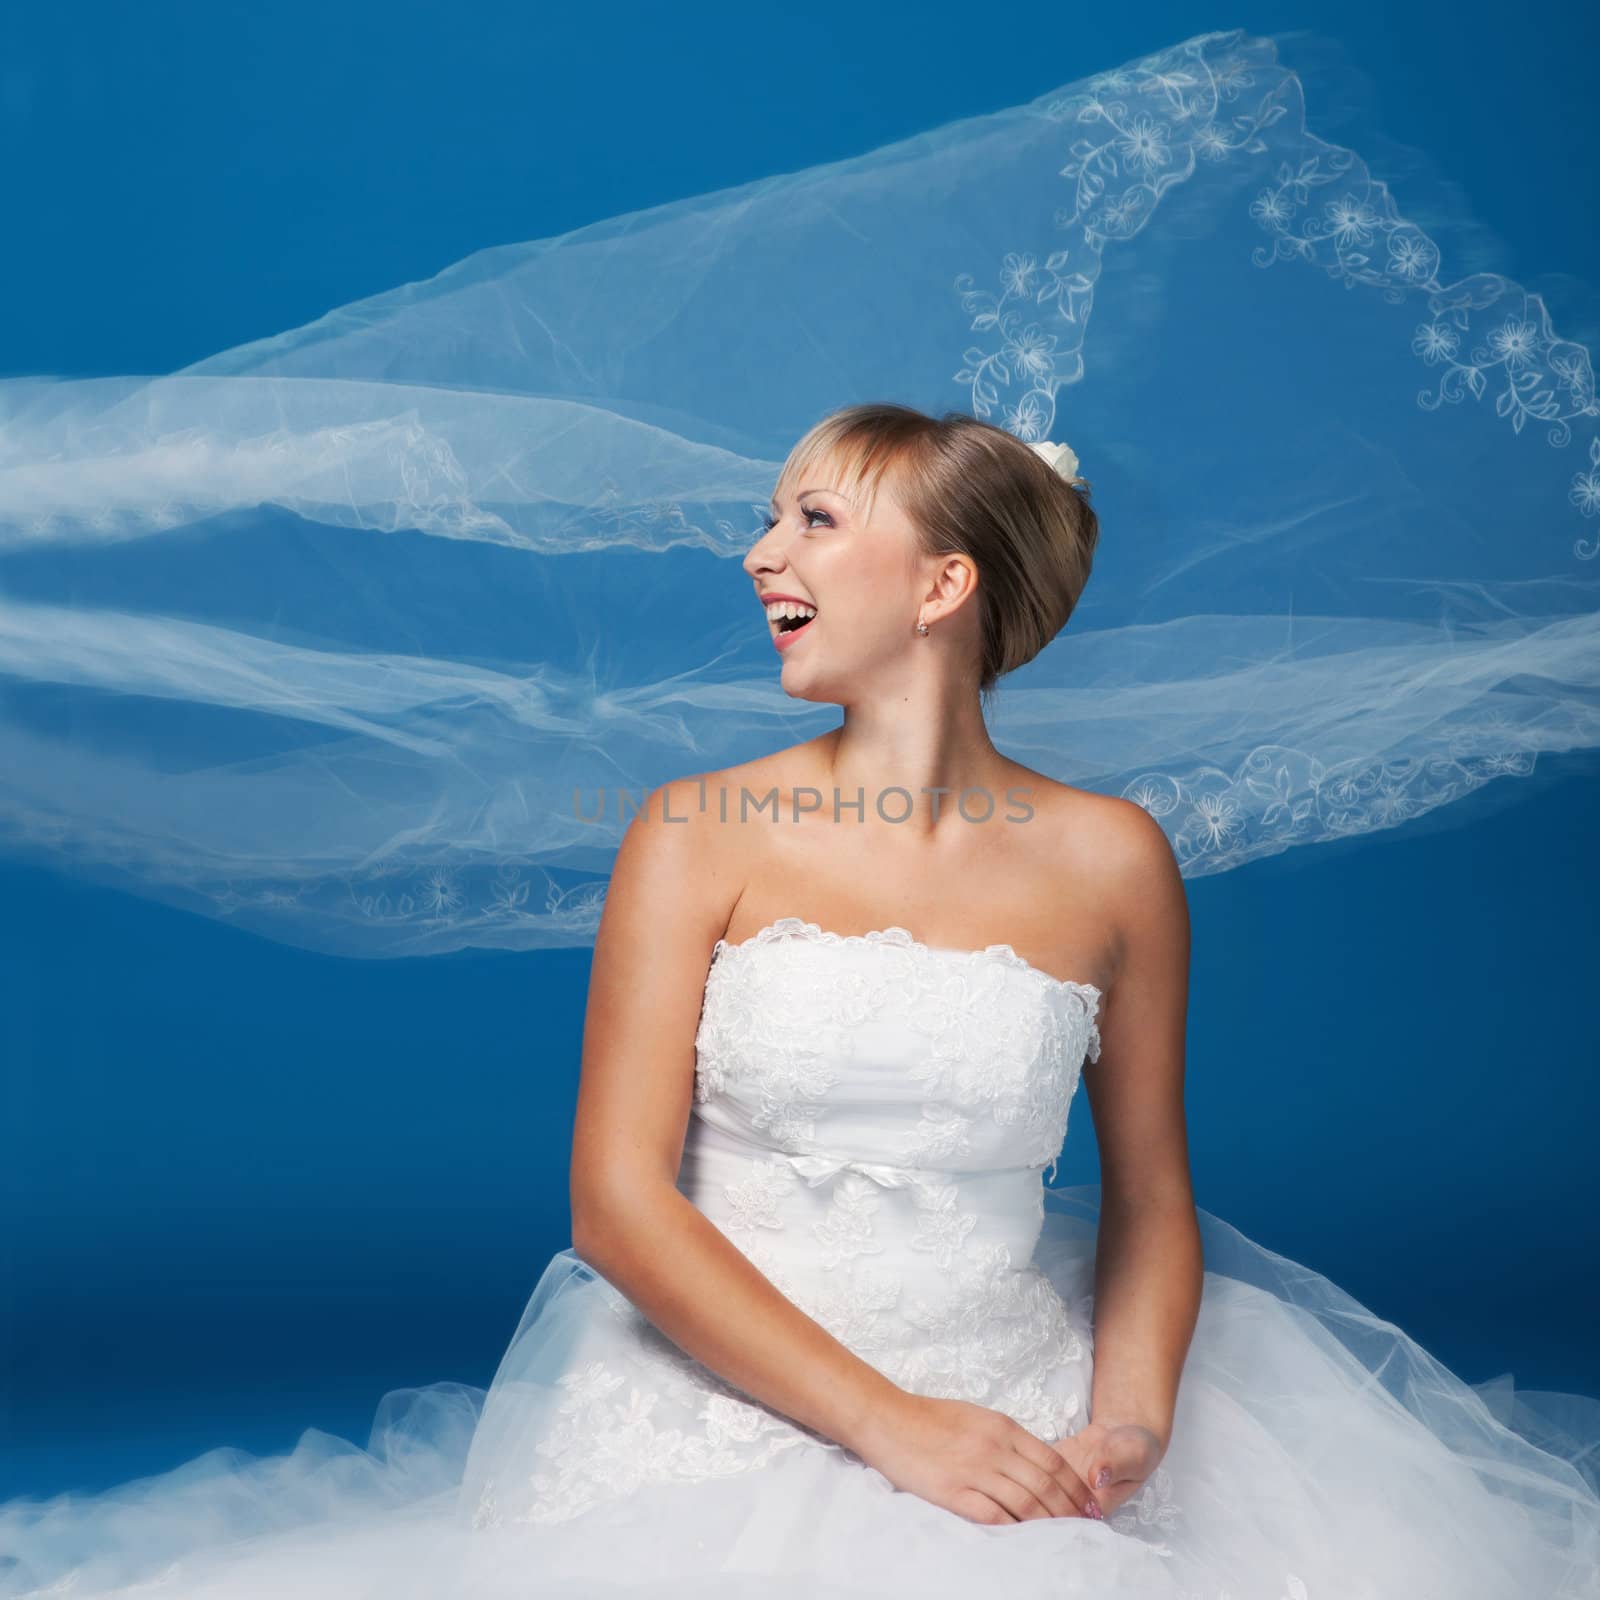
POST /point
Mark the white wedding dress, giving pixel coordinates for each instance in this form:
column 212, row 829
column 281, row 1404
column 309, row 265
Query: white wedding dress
column 872, row 1125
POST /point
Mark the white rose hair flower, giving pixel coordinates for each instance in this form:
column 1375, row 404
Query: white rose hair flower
column 1060, row 457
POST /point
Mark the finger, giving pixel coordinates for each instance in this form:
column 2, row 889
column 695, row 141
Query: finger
column 976, row 1506
column 1031, row 1493
column 984, row 1504
column 1119, row 1464
column 1060, row 1469
column 1053, row 1500
column 1017, row 1498
column 1050, row 1497
column 1037, row 1451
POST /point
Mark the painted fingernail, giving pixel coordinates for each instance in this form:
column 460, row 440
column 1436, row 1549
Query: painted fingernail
column 1095, row 1512
column 1104, row 1478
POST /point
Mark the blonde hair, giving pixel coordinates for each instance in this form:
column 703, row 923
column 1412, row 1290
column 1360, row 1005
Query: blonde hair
column 971, row 488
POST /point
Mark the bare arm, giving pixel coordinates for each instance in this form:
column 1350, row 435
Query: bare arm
column 1149, row 1267
column 669, row 900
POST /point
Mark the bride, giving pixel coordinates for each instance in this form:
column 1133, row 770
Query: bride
column 824, row 1329
column 827, row 1326
column 931, row 558
column 845, row 1338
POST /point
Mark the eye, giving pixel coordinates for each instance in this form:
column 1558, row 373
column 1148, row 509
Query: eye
column 808, row 512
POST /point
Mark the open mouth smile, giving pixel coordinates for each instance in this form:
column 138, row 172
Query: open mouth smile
column 788, row 620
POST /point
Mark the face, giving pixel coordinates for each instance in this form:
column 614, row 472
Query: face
column 865, row 578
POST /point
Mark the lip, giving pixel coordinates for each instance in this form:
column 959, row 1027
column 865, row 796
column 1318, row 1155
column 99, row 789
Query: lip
column 784, row 641
column 780, row 639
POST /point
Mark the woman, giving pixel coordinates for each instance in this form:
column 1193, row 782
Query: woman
column 848, row 1241
column 820, row 1330
column 845, row 1340
column 883, row 521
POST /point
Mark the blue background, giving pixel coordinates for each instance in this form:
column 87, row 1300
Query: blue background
column 246, row 1188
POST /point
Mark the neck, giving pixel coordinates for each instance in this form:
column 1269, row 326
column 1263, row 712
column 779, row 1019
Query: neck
column 932, row 748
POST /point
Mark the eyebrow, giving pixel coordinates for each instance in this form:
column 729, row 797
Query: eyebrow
column 773, row 502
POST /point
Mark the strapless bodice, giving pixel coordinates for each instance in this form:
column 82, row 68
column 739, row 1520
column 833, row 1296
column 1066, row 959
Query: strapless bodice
column 878, row 1048
column 872, row 1121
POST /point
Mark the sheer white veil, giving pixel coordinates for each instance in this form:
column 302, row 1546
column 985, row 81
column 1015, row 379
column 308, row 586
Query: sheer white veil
column 369, row 636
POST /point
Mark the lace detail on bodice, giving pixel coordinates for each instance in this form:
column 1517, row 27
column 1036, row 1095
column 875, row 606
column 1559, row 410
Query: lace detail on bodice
column 951, row 1059
column 902, row 939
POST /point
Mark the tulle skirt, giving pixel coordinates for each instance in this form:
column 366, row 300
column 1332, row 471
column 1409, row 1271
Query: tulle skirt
column 1318, row 1453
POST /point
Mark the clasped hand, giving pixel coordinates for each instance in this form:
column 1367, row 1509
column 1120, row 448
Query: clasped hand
column 988, row 1468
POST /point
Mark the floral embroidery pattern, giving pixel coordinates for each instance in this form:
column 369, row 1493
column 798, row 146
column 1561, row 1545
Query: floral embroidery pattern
column 996, row 1334
column 942, row 1133
column 753, row 1202
column 1148, row 127
column 1142, row 130
column 846, row 1231
column 942, row 1227
column 606, row 1440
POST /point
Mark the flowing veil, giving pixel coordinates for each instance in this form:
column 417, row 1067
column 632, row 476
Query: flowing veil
column 369, row 636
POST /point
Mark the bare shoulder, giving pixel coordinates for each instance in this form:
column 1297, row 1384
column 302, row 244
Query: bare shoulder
column 1118, row 846
column 1125, row 844
column 1137, row 885
column 1108, row 858
column 1091, row 832
column 673, row 860
column 694, row 843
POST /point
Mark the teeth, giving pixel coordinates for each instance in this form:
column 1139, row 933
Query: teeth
column 779, row 609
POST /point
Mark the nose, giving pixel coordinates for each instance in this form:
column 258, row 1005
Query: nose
column 766, row 554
